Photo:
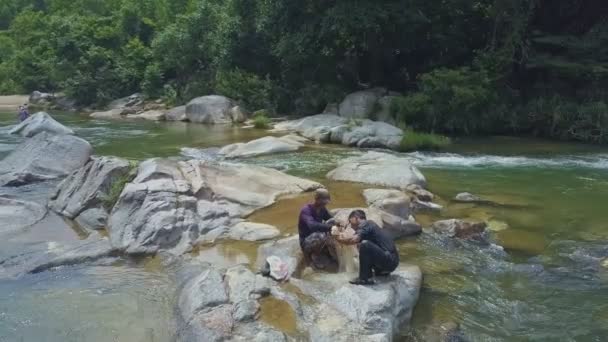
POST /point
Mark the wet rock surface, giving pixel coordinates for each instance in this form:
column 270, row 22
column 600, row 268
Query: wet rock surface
column 461, row 229
column 380, row 169
column 250, row 231
column 17, row 214
column 262, row 146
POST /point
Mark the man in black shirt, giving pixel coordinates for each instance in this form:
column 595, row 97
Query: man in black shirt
column 377, row 251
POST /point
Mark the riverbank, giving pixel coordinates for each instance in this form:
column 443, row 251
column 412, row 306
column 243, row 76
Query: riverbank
column 10, row 103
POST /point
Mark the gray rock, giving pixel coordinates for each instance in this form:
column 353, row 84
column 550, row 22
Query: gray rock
column 177, row 114
column 250, row 231
column 88, row 187
column 40, row 122
column 319, row 134
column 393, row 202
column 109, row 114
column 262, row 146
column 17, row 214
column 301, row 125
column 127, row 102
column 331, row 108
column 93, row 219
column 461, row 229
column 211, row 109
column 238, row 114
column 44, row 157
column 151, row 115
column 246, row 310
column 287, row 249
column 44, row 256
column 173, row 205
column 337, row 133
column 361, row 104
column 384, row 114
column 375, row 313
column 425, row 207
column 40, row 98
column 467, row 197
column 378, row 169
column 373, row 134
column 201, row 292
column 420, row 193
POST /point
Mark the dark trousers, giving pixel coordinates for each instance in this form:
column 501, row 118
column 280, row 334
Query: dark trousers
column 375, row 259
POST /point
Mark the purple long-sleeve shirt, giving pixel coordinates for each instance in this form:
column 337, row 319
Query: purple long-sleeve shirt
column 311, row 221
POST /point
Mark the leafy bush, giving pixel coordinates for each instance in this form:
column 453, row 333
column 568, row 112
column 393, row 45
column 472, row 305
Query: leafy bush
column 415, row 141
column 152, row 84
column 261, row 122
column 253, row 91
column 449, row 100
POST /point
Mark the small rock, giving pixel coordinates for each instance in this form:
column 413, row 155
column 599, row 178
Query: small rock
column 393, row 202
column 419, row 206
column 467, row 197
column 250, row 231
column 420, row 193
column 461, row 229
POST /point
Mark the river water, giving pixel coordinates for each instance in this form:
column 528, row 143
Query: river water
column 550, row 215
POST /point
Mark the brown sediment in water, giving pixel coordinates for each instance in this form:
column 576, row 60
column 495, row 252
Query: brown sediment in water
column 278, row 314
column 284, row 214
column 523, row 241
column 228, row 252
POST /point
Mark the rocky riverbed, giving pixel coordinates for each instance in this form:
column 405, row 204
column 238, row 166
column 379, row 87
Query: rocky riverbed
column 196, row 230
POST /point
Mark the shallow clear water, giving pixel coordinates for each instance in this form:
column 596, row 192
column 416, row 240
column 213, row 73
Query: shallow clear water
column 551, row 220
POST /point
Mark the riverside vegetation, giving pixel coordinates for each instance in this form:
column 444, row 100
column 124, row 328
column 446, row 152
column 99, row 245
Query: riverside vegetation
column 524, row 67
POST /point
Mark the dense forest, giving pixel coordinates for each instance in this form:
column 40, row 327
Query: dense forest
column 534, row 67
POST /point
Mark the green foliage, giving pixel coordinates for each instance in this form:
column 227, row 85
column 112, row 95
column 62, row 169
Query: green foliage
column 152, row 84
column 253, row 91
column 117, row 185
column 262, row 122
column 449, row 100
column 416, row 141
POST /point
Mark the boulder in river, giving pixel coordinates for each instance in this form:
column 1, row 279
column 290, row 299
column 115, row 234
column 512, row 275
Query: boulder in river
column 213, row 109
column 131, row 101
column 42, row 157
column 173, row 205
column 40, row 122
column 250, row 231
column 39, row 98
column 378, row 168
column 345, row 312
column 261, row 146
column 86, row 191
column 393, row 202
column 361, row 104
column 461, row 229
column 467, row 197
column 177, row 114
column 221, row 304
column 420, row 193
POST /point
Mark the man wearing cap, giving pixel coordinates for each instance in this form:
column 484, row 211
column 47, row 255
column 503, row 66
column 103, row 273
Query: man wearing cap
column 314, row 225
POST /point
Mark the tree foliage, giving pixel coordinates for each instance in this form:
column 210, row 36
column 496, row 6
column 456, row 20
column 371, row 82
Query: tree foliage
column 464, row 66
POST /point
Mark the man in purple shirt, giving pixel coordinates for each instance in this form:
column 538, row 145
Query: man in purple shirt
column 314, row 226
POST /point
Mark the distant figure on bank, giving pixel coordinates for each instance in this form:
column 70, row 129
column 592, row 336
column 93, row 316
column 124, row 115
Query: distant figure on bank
column 377, row 252
column 314, row 225
column 23, row 113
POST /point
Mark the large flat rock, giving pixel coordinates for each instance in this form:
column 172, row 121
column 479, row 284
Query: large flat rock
column 42, row 157
column 380, row 169
column 262, row 146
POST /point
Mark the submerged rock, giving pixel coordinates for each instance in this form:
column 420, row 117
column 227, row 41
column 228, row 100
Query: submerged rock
column 109, row 114
column 262, row 146
column 461, row 229
column 467, row 197
column 213, row 109
column 173, row 205
column 86, row 191
column 40, row 122
column 250, row 231
column 347, row 312
column 44, row 157
column 378, row 168
column 421, row 206
column 17, row 214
